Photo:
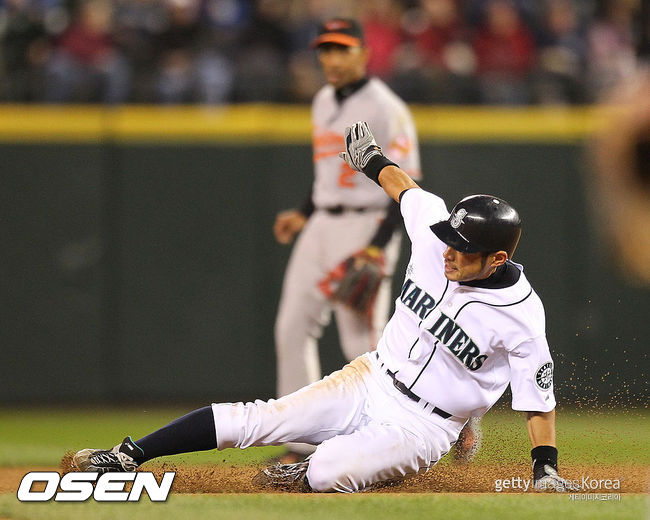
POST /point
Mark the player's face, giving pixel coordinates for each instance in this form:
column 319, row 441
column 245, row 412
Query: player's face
column 465, row 267
column 341, row 64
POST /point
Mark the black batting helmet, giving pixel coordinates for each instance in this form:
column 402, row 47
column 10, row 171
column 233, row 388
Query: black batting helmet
column 481, row 223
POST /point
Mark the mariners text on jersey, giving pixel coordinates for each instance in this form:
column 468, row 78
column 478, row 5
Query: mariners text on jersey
column 459, row 345
column 458, row 342
column 419, row 301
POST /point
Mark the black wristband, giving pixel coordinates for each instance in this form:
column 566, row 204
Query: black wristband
column 375, row 165
column 543, row 455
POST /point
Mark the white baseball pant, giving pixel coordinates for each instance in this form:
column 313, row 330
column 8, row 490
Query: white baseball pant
column 366, row 430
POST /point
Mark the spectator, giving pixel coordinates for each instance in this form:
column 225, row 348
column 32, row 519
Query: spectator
column 225, row 20
column 217, row 51
column 190, row 68
column 25, row 48
column 561, row 62
column 262, row 61
column 444, row 27
column 86, row 65
column 610, row 47
column 136, row 25
column 445, row 61
column 505, row 55
column 383, row 32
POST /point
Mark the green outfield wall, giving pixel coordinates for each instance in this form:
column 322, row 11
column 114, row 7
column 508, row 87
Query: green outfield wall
column 138, row 262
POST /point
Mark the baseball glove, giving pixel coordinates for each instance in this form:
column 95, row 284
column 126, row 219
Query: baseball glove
column 356, row 281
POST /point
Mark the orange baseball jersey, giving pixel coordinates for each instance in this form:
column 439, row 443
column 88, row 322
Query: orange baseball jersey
column 335, row 183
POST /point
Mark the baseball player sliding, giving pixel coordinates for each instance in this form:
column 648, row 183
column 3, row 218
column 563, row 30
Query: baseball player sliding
column 466, row 324
column 345, row 217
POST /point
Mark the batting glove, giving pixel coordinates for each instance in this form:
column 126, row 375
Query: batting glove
column 363, row 154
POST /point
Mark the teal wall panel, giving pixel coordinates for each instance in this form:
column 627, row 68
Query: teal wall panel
column 149, row 272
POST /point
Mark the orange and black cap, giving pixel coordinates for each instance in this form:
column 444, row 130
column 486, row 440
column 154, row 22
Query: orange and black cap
column 342, row 31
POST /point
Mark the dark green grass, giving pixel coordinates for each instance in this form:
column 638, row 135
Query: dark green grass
column 329, row 507
column 30, row 437
column 41, row 436
column 37, row 437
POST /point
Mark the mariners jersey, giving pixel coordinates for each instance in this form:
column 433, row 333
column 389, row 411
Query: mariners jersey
column 335, row 183
column 458, row 346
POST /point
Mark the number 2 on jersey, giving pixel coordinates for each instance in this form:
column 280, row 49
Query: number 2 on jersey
column 346, row 176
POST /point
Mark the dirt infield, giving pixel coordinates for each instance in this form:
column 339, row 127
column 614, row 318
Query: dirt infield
column 470, row 478
column 442, row 479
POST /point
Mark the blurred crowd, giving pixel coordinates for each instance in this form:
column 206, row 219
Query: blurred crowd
column 225, row 51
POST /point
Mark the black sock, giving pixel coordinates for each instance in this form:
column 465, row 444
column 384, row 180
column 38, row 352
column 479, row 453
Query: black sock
column 192, row 432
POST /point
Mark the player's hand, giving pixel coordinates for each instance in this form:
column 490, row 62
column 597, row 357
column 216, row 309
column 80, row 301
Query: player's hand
column 287, row 224
column 360, row 146
column 547, row 479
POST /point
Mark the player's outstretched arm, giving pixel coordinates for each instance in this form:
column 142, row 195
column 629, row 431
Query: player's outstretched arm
column 394, row 180
column 364, row 155
column 541, row 430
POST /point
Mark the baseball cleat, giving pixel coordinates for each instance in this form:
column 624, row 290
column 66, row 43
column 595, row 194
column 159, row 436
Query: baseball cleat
column 551, row 481
column 288, row 476
column 104, row 461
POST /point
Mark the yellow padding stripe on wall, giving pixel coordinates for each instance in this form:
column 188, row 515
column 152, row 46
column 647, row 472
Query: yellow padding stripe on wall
column 276, row 124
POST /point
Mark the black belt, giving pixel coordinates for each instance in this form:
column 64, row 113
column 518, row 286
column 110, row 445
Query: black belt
column 340, row 209
column 404, row 389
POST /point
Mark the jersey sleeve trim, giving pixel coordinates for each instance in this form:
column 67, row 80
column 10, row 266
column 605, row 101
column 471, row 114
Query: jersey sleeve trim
column 533, row 408
column 403, row 192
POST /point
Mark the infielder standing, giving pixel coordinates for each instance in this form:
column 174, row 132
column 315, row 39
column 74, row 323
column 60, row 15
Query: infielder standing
column 345, row 214
column 466, row 324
